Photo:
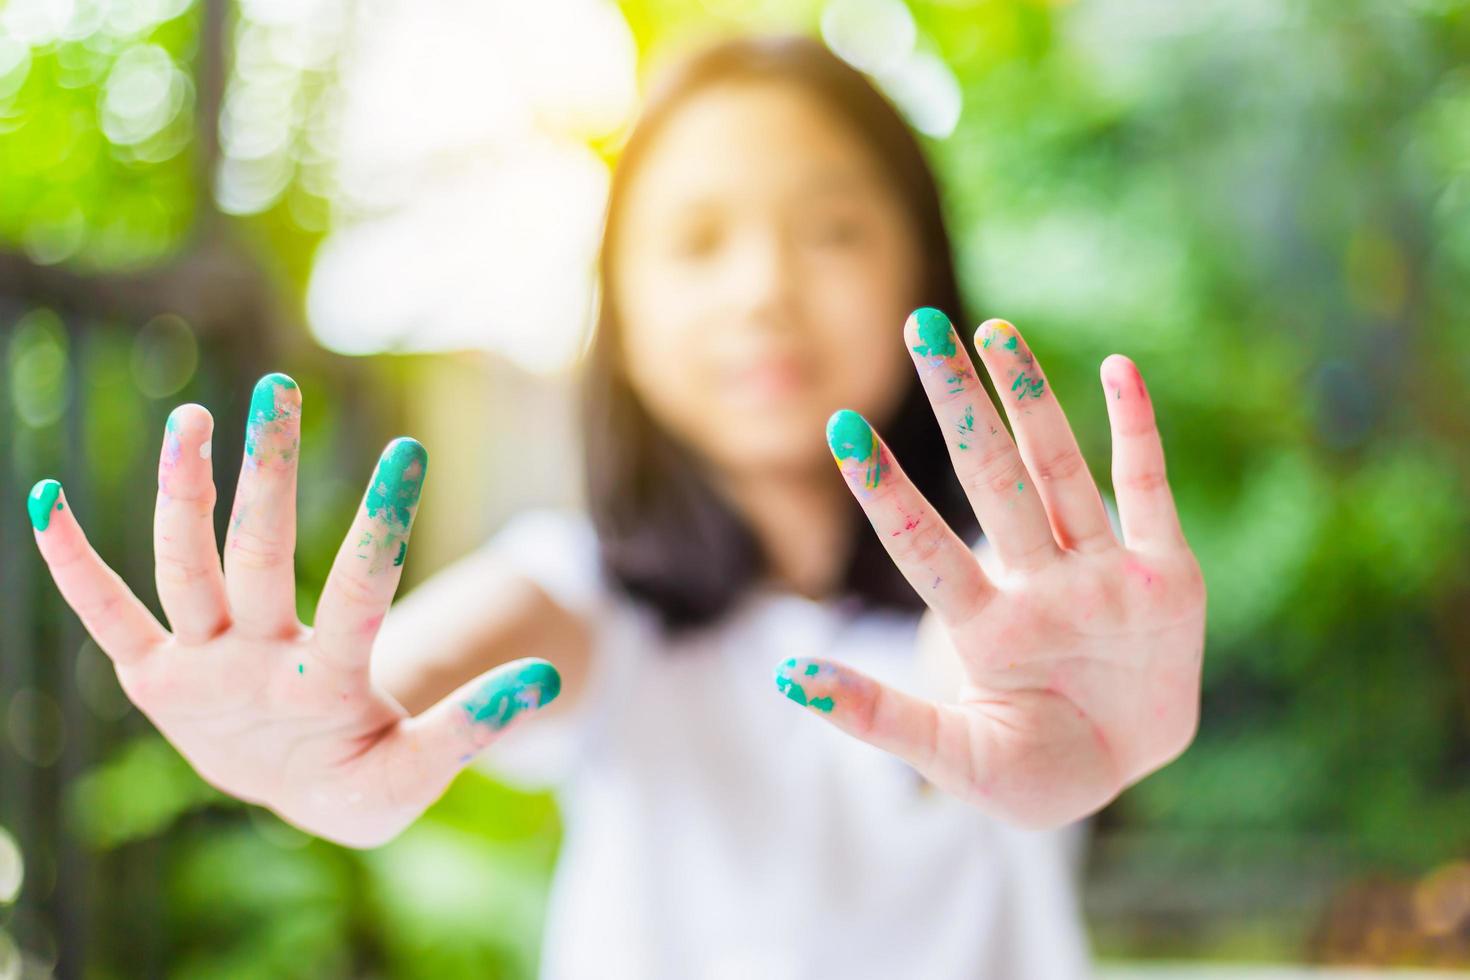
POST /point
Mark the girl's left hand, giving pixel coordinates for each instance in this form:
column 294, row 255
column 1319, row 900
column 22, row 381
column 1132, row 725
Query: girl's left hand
column 1079, row 655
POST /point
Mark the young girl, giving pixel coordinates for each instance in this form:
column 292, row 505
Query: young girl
column 771, row 222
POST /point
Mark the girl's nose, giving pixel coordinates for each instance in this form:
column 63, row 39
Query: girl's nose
column 763, row 276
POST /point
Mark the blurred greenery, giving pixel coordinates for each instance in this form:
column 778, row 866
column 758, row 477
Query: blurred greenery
column 1266, row 204
column 458, row 894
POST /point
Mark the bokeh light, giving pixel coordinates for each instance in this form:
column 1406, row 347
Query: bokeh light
column 12, row 868
column 34, row 724
column 467, row 202
column 97, row 684
column 165, row 355
column 36, row 359
column 144, row 92
column 879, row 37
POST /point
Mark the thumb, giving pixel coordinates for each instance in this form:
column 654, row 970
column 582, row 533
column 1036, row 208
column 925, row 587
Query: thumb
column 446, row 736
column 909, row 727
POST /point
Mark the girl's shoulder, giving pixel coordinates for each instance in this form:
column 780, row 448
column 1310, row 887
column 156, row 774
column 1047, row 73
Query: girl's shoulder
column 556, row 549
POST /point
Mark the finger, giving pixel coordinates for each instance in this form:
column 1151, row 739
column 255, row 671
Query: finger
column 1047, row 445
column 443, row 739
column 369, row 563
column 1001, row 492
column 124, row 629
column 1145, row 503
column 260, row 577
column 1034, row 758
column 918, row 731
column 191, row 584
column 929, row 554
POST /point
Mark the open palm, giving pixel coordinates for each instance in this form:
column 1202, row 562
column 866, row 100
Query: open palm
column 263, row 707
column 1079, row 655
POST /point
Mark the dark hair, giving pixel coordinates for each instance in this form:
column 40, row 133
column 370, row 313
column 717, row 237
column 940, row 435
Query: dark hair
column 666, row 538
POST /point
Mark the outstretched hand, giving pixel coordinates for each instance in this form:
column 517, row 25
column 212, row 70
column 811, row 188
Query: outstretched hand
column 266, row 709
column 1080, row 655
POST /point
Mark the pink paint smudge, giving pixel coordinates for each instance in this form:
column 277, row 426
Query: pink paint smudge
column 1140, row 571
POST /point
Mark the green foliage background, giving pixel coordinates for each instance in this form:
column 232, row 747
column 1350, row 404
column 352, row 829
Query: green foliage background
column 1266, row 204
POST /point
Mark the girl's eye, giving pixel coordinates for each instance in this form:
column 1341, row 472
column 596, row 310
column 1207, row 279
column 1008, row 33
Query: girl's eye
column 697, row 242
column 834, row 232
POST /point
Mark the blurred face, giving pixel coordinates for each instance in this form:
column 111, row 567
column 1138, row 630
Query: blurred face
column 764, row 273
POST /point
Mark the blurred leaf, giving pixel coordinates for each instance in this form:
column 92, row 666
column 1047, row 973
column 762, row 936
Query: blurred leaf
column 138, row 793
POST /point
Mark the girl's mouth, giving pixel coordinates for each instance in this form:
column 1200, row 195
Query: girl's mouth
column 767, row 379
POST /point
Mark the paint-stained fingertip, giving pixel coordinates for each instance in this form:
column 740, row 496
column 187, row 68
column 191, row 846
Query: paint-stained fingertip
column 400, row 477
column 849, row 435
column 190, row 419
column 275, row 395
column 817, row 684
column 276, row 379
column 929, row 333
column 406, row 450
column 512, row 690
column 403, row 461
column 44, row 500
column 1120, row 377
column 993, row 330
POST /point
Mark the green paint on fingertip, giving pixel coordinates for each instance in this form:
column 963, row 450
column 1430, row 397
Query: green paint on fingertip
column 849, row 435
column 512, row 689
column 276, row 380
column 301, row 668
column 264, row 409
column 788, row 686
column 399, row 480
column 936, row 337
column 402, row 551
column 791, row 689
column 43, row 501
column 1012, row 342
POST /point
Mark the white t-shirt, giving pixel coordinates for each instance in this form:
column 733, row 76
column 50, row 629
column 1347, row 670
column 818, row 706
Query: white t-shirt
column 715, row 831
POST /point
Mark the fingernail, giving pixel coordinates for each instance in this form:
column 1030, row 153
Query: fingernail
column 397, row 483
column 851, row 438
column 45, row 499
column 266, row 408
column 513, row 689
column 936, row 338
column 791, row 675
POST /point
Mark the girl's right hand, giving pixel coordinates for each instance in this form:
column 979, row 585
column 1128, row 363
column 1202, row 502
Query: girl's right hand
column 267, row 709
